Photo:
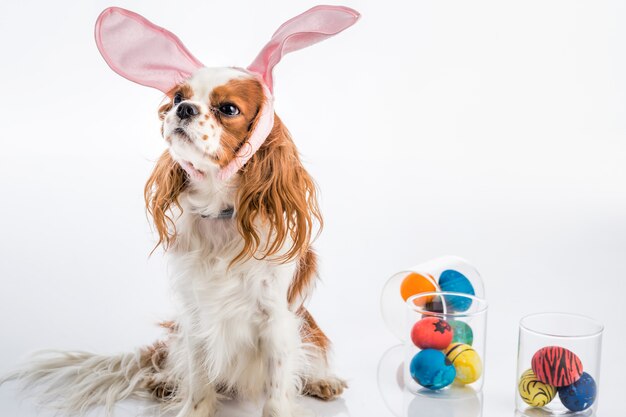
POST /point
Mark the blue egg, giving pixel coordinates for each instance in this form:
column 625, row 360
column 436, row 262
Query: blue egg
column 580, row 395
column 454, row 281
column 432, row 370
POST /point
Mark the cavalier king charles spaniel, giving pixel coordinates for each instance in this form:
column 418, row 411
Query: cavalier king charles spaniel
column 240, row 252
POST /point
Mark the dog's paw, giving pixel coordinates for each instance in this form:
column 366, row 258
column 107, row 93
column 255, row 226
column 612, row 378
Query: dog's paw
column 325, row 389
column 205, row 407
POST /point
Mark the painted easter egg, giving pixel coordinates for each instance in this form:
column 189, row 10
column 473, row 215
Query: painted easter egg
column 534, row 392
column 461, row 332
column 431, row 333
column 466, row 361
column 557, row 366
column 415, row 283
column 454, row 281
column 432, row 370
column 580, row 395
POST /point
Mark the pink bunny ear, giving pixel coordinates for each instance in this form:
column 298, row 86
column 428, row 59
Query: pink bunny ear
column 311, row 27
column 142, row 52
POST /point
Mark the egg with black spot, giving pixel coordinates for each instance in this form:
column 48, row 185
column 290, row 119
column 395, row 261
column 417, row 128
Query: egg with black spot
column 431, row 333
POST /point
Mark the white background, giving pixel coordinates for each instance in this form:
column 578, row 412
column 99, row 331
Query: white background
column 493, row 130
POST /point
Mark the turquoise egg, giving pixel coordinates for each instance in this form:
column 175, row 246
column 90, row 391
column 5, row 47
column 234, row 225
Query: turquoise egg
column 462, row 332
column 454, row 281
column 432, row 370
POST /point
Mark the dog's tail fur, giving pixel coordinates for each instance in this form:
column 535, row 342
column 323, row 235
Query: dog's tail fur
column 73, row 382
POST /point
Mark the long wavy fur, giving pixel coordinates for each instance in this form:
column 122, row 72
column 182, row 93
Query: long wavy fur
column 275, row 191
column 73, row 382
column 161, row 193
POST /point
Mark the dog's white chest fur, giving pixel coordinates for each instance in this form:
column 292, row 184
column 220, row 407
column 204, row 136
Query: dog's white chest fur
column 227, row 312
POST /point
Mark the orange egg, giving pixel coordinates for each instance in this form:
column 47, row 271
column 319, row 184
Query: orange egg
column 415, row 283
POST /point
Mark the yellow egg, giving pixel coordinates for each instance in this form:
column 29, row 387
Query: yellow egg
column 533, row 391
column 466, row 361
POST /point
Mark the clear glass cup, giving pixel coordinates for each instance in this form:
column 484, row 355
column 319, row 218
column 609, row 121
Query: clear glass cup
column 426, row 277
column 558, row 365
column 444, row 344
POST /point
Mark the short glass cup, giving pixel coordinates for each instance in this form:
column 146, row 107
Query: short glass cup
column 558, row 365
column 444, row 344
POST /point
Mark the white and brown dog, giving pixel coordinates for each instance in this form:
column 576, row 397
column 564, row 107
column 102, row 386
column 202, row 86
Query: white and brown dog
column 236, row 211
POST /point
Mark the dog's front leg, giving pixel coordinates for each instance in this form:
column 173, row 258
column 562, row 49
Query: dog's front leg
column 198, row 396
column 201, row 402
column 282, row 353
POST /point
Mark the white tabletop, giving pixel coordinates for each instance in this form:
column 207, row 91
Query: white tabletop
column 490, row 130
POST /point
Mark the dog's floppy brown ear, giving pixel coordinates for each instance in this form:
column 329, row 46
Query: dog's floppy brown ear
column 277, row 192
column 161, row 193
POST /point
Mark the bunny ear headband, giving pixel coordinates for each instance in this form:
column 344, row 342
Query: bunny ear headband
column 149, row 55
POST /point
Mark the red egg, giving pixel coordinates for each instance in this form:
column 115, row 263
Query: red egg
column 557, row 366
column 432, row 333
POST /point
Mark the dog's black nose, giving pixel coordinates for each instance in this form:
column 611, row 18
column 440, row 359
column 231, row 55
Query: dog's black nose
column 186, row 110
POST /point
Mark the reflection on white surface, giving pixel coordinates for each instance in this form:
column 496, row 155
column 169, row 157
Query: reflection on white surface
column 390, row 379
column 425, row 406
column 540, row 412
column 455, row 402
column 14, row 403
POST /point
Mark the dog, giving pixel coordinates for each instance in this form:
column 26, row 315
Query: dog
column 236, row 212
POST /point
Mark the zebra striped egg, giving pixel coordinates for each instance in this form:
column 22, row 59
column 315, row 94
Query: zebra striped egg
column 557, row 366
column 534, row 392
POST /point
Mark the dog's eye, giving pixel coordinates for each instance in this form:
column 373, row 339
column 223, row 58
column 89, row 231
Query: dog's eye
column 229, row 109
column 178, row 98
